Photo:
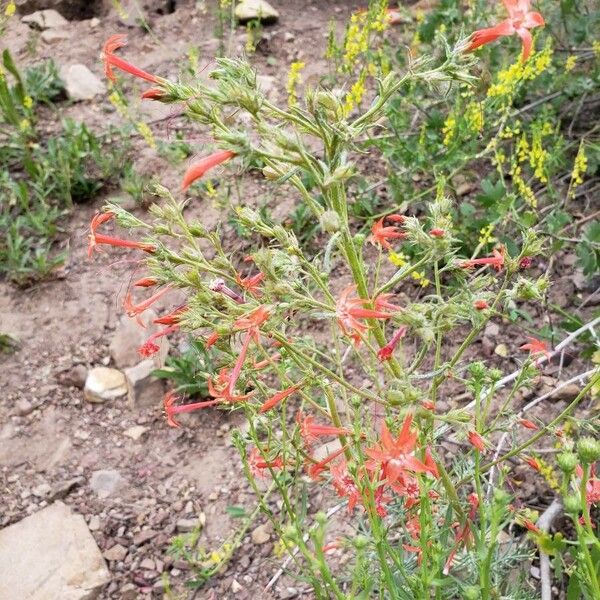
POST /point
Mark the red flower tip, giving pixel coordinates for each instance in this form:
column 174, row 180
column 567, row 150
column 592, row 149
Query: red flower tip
column 532, row 462
column 145, row 282
column 531, row 526
column 198, row 169
column 153, row 94
column 528, row 424
column 495, row 261
column 481, row 304
column 114, row 42
column 477, row 441
column 428, row 405
column 388, row 350
column 277, row 398
column 437, row 233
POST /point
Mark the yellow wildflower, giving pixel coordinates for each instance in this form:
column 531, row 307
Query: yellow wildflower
column 294, row 78
column 355, row 95
column 146, row 133
column 596, row 48
column 10, row 9
column 25, row 124
column 120, row 10
column 398, row 259
column 28, row 102
column 486, row 236
column 474, row 116
column 579, row 169
column 449, row 129
column 570, row 63
column 538, row 157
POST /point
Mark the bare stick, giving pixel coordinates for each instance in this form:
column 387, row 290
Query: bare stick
column 544, row 523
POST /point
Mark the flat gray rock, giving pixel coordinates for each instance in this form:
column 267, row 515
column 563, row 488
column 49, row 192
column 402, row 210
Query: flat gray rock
column 45, row 19
column 51, row 554
column 81, row 83
column 104, row 383
column 249, row 10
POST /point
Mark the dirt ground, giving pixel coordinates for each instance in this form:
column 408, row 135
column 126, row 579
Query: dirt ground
column 51, row 439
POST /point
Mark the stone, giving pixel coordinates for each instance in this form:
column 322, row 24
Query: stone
column 136, row 432
column 106, row 482
column 75, row 376
column 249, row 10
column 491, row 330
column 51, row 36
column 115, row 553
column 567, row 393
column 103, row 383
column 129, row 336
column 24, row 407
column 141, row 537
column 501, row 350
column 142, row 388
column 187, row 525
column 42, row 491
column 261, row 534
column 64, row 488
column 51, row 554
column 94, row 524
column 147, row 564
column 45, row 19
column 81, row 83
column 236, row 588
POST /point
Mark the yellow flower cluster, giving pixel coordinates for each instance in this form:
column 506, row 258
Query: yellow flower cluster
column 362, row 24
column 596, row 48
column 25, row 124
column 449, row 129
column 579, row 169
column 522, row 188
column 294, row 78
column 509, row 132
column 486, row 234
column 547, row 472
column 474, row 116
column 28, row 102
column 10, row 9
column 401, row 260
column 354, row 96
column 146, row 133
column 570, row 63
column 508, row 80
column 538, row 156
column 216, row 556
column 118, row 102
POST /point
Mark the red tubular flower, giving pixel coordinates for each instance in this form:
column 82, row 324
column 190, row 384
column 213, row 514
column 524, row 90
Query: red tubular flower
column 477, row 441
column 344, row 485
column 145, row 282
column 96, row 238
column 388, row 350
column 428, row 405
column 380, row 234
column 520, row 20
column 251, row 284
column 480, row 304
column 277, row 398
column 592, row 494
column 211, row 340
column 314, row 468
column 464, row 536
column 437, row 232
column 536, row 346
column 349, row 310
column 149, row 348
column 153, row 94
column 496, row 261
column 134, row 310
column 395, row 456
column 311, row 431
column 219, row 389
column 258, row 465
column 528, row 424
column 171, row 318
column 531, row 526
column 114, row 42
column 532, row 462
column 382, row 302
column 171, row 410
column 253, row 320
column 198, row 169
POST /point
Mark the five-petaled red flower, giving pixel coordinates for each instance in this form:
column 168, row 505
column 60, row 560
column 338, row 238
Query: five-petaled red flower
column 258, row 465
column 114, row 42
column 199, row 168
column 349, row 310
column 251, row 284
column 380, row 233
column 536, row 346
column 520, row 20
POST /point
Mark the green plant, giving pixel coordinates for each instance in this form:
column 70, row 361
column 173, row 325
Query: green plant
column 431, row 521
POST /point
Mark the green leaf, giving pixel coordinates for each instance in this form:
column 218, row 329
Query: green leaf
column 236, row 512
column 574, row 589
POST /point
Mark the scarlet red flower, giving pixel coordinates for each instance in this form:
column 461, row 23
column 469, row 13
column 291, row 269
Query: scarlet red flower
column 219, row 388
column 211, row 340
column 481, row 304
column 145, row 282
column 531, row 526
column 153, row 94
column 96, row 239
column 382, row 302
column 349, row 310
column 171, row 318
column 198, row 169
column 592, row 495
column 477, row 441
column 171, row 410
column 344, row 485
column 114, row 42
column 532, row 462
column 520, row 20
column 258, row 465
column 380, row 234
column 387, row 351
column 395, row 456
column 536, row 346
column 437, row 232
column 150, row 347
column 277, row 398
column 254, row 319
column 314, row 468
column 251, row 284
column 133, row 310
column 311, row 431
column 428, row 405
column 464, row 535
column 496, row 261
column 528, row 424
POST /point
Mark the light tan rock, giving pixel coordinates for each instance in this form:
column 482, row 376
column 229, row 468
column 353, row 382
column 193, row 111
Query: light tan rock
column 45, row 19
column 51, row 554
column 104, row 383
column 81, row 83
column 143, row 389
column 249, row 10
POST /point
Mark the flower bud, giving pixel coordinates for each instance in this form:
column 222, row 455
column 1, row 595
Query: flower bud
column 321, row 518
column 572, row 505
column 567, row 461
column 330, row 221
column 290, row 532
column 471, row 593
column 501, row 497
column 361, row 542
column 588, row 450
